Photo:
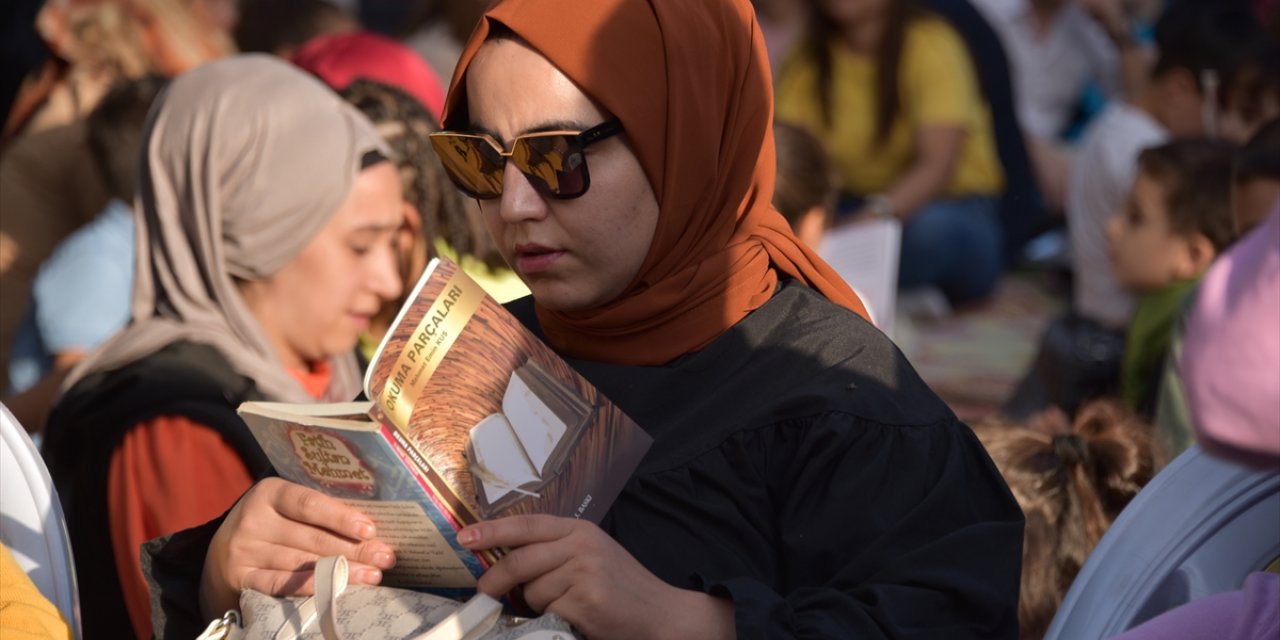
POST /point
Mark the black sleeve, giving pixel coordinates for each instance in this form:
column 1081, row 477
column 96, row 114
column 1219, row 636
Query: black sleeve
column 885, row 532
column 173, row 565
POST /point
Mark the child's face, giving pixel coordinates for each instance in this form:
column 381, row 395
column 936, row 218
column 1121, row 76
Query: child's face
column 1146, row 255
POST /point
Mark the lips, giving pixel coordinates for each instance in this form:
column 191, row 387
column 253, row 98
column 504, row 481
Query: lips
column 533, row 258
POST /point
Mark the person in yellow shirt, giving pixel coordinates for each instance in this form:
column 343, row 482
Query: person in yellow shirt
column 25, row 614
column 892, row 92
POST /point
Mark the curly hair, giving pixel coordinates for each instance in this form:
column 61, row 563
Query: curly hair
column 405, row 124
column 1071, row 482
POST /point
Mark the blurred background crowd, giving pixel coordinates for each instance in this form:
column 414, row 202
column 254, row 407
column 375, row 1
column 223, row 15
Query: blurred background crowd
column 1064, row 172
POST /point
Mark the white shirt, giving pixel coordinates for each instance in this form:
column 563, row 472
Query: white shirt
column 1051, row 70
column 1102, row 172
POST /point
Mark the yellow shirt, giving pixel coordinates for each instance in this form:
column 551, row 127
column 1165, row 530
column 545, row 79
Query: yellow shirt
column 25, row 614
column 937, row 87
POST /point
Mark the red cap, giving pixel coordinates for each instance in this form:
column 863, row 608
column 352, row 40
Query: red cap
column 341, row 58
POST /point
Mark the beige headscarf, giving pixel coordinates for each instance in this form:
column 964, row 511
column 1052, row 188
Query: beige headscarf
column 245, row 161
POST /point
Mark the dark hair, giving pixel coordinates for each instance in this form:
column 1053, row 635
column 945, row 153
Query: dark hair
column 805, row 177
column 1071, row 485
column 1260, row 157
column 115, row 132
column 405, row 124
column 824, row 33
column 1223, row 37
column 267, row 26
column 1196, row 178
column 460, row 16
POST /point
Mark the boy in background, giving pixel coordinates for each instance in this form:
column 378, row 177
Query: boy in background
column 1177, row 220
column 806, row 191
column 1256, row 190
column 1207, row 52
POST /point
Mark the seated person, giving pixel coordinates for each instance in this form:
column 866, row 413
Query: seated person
column 81, row 295
column 803, row 479
column 268, row 211
column 1256, row 188
column 1058, row 50
column 1197, row 41
column 1228, row 367
column 1072, row 481
column 892, row 93
column 805, row 191
column 1177, row 220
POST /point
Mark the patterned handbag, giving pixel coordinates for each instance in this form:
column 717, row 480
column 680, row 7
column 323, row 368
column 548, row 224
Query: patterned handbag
column 341, row 612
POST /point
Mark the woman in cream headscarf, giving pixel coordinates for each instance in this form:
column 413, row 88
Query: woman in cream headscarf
column 802, row 481
column 267, row 216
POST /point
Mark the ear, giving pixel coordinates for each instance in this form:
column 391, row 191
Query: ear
column 812, row 226
column 1181, row 83
column 414, row 248
column 1198, row 253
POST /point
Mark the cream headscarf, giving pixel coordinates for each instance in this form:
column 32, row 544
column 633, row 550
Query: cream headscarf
column 245, row 160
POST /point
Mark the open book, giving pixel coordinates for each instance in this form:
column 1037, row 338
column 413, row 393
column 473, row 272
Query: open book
column 472, row 417
column 865, row 253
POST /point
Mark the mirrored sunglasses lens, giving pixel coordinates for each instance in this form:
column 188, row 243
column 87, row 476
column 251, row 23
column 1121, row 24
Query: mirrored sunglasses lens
column 554, row 164
column 473, row 165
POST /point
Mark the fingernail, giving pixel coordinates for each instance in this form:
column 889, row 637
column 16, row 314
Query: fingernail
column 366, row 575
column 468, row 536
column 365, row 530
column 384, row 559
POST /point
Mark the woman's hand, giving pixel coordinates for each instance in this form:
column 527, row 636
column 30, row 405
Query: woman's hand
column 573, row 569
column 272, row 537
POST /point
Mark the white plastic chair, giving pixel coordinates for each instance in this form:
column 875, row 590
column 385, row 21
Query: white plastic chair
column 31, row 522
column 1198, row 528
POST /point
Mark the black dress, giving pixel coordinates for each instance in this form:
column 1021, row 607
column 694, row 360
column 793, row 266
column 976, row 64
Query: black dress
column 803, row 469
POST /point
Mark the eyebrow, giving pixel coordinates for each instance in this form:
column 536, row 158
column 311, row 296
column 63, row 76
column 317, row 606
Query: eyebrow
column 544, row 127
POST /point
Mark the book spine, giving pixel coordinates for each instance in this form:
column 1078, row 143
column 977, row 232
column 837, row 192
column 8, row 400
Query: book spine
column 435, row 486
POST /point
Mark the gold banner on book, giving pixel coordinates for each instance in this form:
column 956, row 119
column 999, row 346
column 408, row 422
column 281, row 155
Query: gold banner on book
column 428, row 345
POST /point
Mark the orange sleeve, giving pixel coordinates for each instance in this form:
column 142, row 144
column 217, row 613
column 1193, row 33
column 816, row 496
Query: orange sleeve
column 168, row 474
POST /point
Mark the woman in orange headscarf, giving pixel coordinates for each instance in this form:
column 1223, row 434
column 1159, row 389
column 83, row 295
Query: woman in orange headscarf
column 803, row 480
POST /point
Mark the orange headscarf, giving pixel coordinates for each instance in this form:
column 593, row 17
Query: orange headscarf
column 689, row 79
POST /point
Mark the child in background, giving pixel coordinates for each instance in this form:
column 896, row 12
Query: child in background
column 1177, row 220
column 806, row 190
column 1256, row 189
column 1071, row 482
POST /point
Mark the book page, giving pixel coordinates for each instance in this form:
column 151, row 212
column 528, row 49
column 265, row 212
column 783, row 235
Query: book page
column 500, row 461
column 423, row 556
column 536, row 426
column 865, row 254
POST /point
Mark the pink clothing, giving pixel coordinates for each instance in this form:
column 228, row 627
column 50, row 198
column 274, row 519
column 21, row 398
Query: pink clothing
column 340, row 59
column 1230, row 362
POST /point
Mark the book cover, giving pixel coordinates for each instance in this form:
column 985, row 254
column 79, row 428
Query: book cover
column 470, row 417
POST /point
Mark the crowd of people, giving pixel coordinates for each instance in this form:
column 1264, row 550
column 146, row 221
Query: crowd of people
column 206, row 202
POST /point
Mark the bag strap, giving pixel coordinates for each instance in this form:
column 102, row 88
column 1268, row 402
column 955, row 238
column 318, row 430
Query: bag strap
column 469, row 622
column 331, row 581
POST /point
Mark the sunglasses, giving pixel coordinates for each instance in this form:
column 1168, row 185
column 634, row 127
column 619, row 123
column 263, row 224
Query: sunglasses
column 555, row 162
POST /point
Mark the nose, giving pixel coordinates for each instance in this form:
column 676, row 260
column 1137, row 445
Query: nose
column 384, row 276
column 1113, row 228
column 520, row 202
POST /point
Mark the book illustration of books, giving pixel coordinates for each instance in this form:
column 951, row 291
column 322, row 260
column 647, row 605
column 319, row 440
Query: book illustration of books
column 516, row 452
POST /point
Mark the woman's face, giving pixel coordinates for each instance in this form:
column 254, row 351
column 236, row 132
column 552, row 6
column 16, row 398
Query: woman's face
column 318, row 304
column 573, row 254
